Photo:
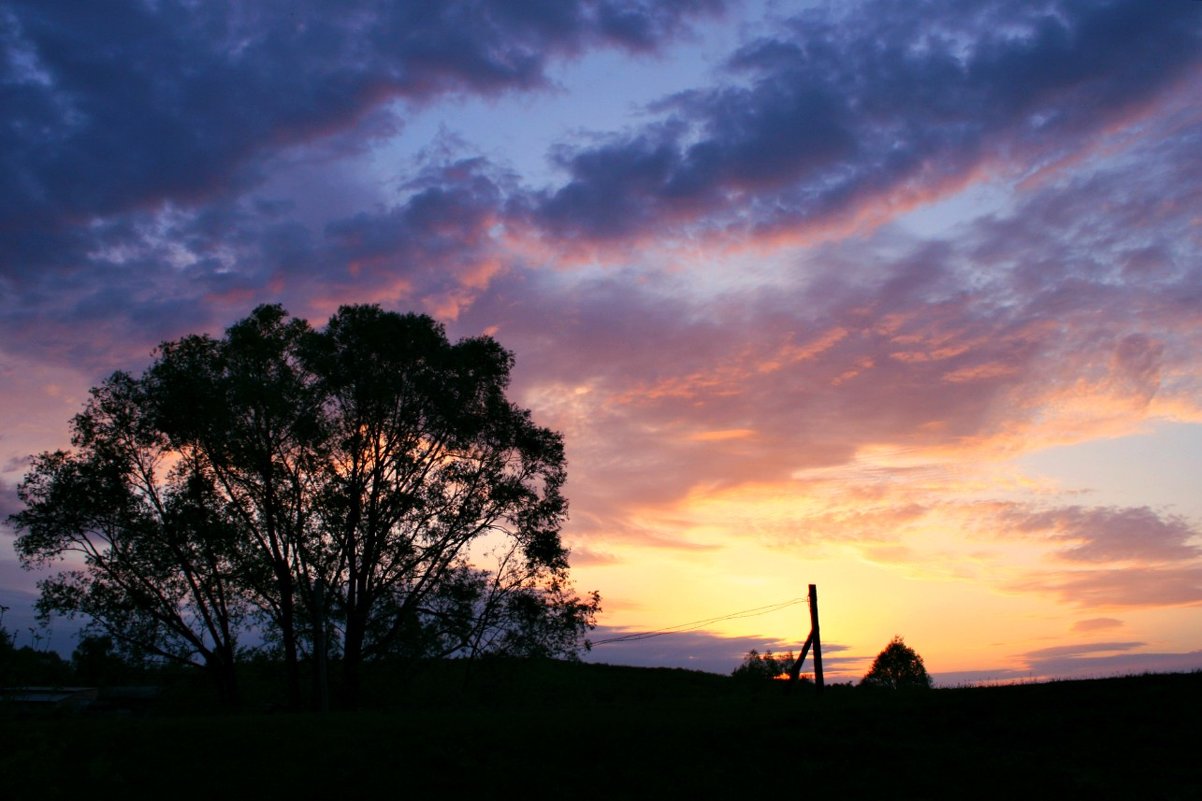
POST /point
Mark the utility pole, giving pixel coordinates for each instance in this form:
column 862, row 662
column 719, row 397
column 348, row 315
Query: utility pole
column 817, row 637
column 815, row 641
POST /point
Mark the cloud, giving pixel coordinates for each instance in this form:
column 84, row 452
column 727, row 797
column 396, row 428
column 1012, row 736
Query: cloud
column 146, row 102
column 153, row 276
column 16, row 580
column 859, row 117
column 713, row 653
column 1105, row 659
column 938, row 348
column 1076, row 667
column 1080, row 661
column 1097, row 624
column 9, row 503
column 1120, row 587
column 1115, row 557
column 1081, row 650
column 581, row 555
column 1111, row 534
column 134, row 139
column 971, row 678
column 139, row 270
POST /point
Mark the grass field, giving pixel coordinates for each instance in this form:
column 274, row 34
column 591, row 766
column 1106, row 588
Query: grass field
column 596, row 731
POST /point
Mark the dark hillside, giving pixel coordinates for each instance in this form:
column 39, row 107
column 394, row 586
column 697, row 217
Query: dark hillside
column 596, row 731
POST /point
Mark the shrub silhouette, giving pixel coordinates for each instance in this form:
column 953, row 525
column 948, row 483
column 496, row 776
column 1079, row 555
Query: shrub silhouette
column 762, row 668
column 898, row 666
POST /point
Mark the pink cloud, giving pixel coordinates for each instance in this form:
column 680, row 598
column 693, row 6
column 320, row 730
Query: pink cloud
column 1097, row 624
column 1120, row 587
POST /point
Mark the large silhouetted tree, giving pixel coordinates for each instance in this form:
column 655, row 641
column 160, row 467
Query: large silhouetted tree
column 365, row 489
column 244, row 409
column 896, row 667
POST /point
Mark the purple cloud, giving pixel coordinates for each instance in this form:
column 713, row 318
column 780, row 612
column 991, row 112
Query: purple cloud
column 133, row 134
column 713, row 653
column 122, row 273
column 1102, row 534
column 10, row 504
column 835, row 114
column 114, row 107
column 1106, row 659
column 1081, row 650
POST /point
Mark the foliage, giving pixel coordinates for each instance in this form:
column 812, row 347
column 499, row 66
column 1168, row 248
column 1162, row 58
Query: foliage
column 897, row 667
column 96, row 662
column 30, row 666
column 357, row 491
column 762, row 668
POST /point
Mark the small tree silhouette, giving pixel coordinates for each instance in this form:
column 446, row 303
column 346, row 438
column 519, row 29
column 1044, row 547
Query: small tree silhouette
column 897, row 667
column 762, row 668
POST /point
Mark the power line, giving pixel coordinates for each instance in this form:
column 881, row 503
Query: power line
column 683, row 627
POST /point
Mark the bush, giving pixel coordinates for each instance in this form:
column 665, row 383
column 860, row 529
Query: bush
column 762, row 668
column 897, row 667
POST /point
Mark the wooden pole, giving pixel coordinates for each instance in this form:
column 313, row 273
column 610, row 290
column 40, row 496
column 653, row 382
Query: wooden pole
column 795, row 671
column 816, row 635
column 814, row 640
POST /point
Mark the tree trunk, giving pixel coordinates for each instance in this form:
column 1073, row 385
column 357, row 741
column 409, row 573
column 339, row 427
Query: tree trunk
column 291, row 651
column 321, row 683
column 221, row 668
column 352, row 659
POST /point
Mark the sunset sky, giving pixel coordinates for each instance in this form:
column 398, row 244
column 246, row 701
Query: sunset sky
column 902, row 299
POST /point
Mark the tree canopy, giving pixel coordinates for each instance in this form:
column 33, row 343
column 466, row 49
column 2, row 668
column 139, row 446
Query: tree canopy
column 896, row 667
column 352, row 492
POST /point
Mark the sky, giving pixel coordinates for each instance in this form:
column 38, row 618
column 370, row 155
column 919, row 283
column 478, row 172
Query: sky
column 901, row 299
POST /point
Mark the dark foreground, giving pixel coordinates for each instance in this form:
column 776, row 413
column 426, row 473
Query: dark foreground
column 593, row 731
